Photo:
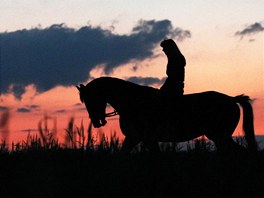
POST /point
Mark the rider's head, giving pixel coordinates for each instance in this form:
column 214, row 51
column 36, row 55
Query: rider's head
column 169, row 47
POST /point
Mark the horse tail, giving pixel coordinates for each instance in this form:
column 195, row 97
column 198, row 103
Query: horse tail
column 248, row 121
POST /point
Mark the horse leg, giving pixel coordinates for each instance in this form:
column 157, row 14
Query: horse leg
column 153, row 146
column 221, row 132
column 128, row 144
column 227, row 145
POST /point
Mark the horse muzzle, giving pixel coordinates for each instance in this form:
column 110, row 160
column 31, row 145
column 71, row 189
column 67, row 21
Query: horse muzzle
column 98, row 123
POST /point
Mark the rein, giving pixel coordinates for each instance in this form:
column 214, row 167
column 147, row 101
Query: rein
column 111, row 114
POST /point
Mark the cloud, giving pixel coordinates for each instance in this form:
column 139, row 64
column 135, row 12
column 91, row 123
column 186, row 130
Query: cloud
column 251, row 29
column 59, row 55
column 180, row 34
column 147, row 81
column 3, row 108
column 79, row 107
column 34, row 106
column 28, row 109
column 29, row 130
column 61, row 111
column 23, row 110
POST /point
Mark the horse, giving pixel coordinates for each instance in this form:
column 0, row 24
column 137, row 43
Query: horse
column 146, row 115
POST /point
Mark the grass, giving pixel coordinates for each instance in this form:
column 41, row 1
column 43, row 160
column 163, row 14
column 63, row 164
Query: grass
column 83, row 166
column 78, row 173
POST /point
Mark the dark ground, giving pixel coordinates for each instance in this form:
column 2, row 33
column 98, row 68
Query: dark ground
column 74, row 173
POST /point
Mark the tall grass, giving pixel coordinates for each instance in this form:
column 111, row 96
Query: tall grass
column 77, row 138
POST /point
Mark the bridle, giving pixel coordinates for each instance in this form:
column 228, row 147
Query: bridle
column 111, row 114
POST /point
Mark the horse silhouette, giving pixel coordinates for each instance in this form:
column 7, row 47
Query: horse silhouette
column 147, row 116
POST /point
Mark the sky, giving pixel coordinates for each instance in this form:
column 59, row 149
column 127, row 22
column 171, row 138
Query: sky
column 49, row 46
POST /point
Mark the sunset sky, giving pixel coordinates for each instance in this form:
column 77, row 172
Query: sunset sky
column 49, row 46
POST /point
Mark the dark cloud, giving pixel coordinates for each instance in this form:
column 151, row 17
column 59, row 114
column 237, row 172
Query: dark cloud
column 28, row 109
column 61, row 111
column 23, row 110
column 251, row 29
column 82, row 109
column 29, row 130
column 59, row 55
column 79, row 107
column 3, row 108
column 147, row 81
column 180, row 34
column 34, row 106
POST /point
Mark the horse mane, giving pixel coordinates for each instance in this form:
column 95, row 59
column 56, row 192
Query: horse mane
column 103, row 88
column 101, row 82
column 82, row 92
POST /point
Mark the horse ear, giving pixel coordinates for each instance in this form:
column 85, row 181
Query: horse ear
column 80, row 87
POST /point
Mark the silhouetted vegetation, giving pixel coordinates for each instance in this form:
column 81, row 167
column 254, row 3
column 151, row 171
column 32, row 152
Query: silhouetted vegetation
column 85, row 166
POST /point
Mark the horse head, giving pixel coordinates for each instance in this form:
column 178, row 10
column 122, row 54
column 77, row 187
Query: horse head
column 95, row 105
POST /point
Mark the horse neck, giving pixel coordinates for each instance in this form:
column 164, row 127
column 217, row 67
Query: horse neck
column 117, row 99
column 125, row 97
column 122, row 95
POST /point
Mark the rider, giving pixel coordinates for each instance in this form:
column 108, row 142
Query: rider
column 174, row 84
column 172, row 88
